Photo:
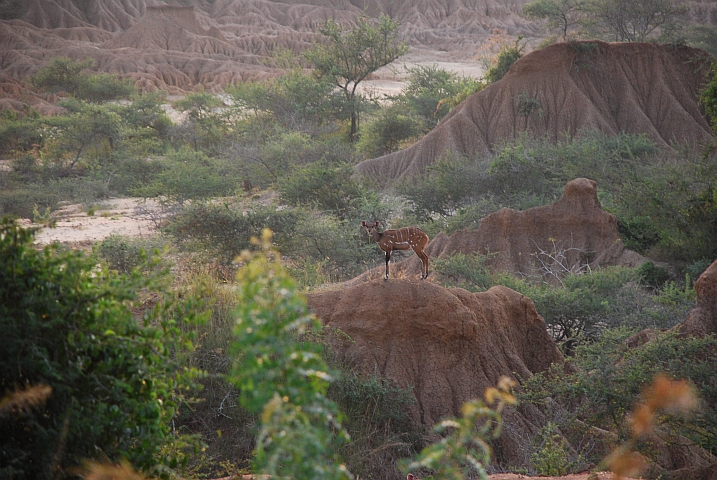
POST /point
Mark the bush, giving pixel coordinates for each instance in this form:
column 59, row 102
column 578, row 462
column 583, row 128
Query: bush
column 610, row 374
column 501, row 63
column 187, row 176
column 222, row 232
column 281, row 375
column 72, row 76
column 465, row 271
column 448, row 185
column 296, row 101
column 431, row 92
column 653, row 275
column 124, row 254
column 391, row 130
column 114, row 380
column 376, row 418
column 335, row 245
column 20, row 202
column 329, row 188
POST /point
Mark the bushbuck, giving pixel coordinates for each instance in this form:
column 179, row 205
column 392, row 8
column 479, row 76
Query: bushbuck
column 400, row 239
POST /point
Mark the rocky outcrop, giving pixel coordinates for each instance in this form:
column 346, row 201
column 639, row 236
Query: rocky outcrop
column 702, row 320
column 564, row 90
column 447, row 345
column 573, row 233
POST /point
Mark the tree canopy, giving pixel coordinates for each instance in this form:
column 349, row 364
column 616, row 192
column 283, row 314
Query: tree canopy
column 351, row 54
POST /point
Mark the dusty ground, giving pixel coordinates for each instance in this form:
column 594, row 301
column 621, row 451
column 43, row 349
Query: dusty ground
column 389, row 80
column 122, row 216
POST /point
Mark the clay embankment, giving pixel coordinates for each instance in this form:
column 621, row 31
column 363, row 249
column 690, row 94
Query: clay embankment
column 563, row 91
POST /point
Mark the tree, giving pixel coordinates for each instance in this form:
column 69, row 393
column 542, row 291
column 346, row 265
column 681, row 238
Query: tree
column 82, row 375
column 501, row 63
column 204, row 125
column 431, row 92
column 88, row 128
column 298, row 102
column 630, row 20
column 72, row 76
column 351, row 55
column 561, row 15
column 388, row 131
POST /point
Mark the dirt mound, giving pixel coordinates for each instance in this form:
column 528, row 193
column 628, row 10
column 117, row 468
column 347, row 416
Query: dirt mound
column 564, row 90
column 703, row 318
column 447, row 344
column 573, row 233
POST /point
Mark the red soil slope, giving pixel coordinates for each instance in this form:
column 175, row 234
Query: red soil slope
column 638, row 88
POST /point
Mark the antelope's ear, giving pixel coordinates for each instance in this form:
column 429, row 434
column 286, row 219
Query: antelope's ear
column 363, row 223
column 378, row 223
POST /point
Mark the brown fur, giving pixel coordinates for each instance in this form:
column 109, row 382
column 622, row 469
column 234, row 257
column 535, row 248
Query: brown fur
column 400, row 239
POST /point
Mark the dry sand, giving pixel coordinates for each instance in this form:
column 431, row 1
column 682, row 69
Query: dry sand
column 122, row 216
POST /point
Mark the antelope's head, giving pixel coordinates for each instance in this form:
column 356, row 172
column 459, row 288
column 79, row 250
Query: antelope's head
column 370, row 227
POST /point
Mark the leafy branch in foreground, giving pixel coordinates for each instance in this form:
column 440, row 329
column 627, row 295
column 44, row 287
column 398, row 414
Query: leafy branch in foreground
column 465, row 449
column 107, row 381
column 282, row 375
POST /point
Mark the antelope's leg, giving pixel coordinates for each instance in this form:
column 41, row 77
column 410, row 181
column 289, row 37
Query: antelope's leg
column 388, row 259
column 424, row 262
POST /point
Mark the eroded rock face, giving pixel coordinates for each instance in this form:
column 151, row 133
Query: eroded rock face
column 567, row 89
column 575, row 228
column 214, row 44
column 449, row 345
column 703, row 318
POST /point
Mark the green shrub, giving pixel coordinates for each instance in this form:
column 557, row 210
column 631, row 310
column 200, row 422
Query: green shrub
column 282, row 376
column 695, row 269
column 501, row 63
column 116, row 380
column 124, row 254
column 187, row 176
column 551, row 457
column 639, row 233
column 464, row 450
column 465, row 271
column 329, row 188
column 587, row 304
column 610, row 375
column 431, row 92
column 390, row 130
column 22, row 201
column 338, row 246
column 223, row 232
column 296, row 101
column 19, row 133
column 653, row 275
column 448, row 185
column 376, row 418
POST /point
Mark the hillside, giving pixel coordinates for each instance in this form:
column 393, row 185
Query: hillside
column 213, row 44
column 563, row 91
